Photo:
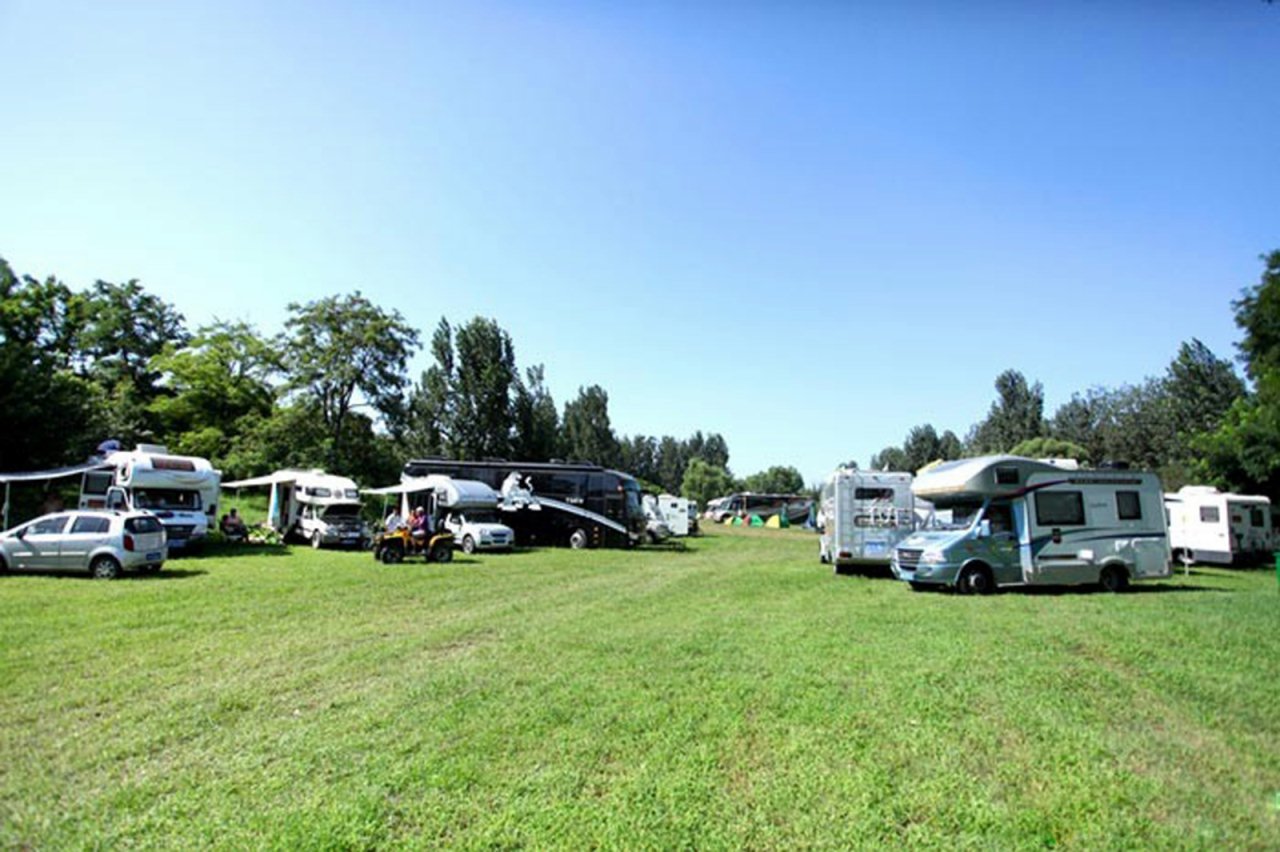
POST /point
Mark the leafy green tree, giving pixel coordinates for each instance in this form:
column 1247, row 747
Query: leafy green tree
column 482, row 388
column 216, row 382
column 671, row 459
column 1258, row 316
column 703, row 482
column 776, row 480
column 1243, row 452
column 638, row 457
column 536, row 421
column 1051, row 448
column 342, row 346
column 891, row 458
column 50, row 415
column 587, row 434
column 1016, row 415
column 714, row 450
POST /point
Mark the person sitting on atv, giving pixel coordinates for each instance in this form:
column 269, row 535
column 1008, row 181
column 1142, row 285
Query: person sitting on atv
column 420, row 527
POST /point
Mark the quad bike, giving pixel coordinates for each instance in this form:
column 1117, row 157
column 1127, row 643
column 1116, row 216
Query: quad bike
column 390, row 548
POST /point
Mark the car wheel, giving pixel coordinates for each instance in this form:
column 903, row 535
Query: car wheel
column 1113, row 579
column 442, row 552
column 975, row 580
column 578, row 540
column 104, row 568
column 468, row 545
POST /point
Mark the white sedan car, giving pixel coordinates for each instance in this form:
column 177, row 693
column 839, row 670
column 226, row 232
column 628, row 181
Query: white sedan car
column 479, row 530
column 103, row 543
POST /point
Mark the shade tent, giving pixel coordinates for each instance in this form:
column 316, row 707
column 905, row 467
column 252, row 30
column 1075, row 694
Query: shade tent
column 452, row 493
column 44, row 476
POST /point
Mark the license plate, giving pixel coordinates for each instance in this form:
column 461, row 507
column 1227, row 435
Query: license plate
column 154, row 556
column 876, row 548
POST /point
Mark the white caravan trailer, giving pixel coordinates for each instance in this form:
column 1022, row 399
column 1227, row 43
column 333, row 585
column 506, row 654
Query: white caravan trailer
column 182, row 491
column 863, row 515
column 1018, row 521
column 1206, row 525
column 312, row 505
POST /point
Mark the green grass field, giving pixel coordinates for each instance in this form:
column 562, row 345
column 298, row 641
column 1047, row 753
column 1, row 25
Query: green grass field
column 735, row 694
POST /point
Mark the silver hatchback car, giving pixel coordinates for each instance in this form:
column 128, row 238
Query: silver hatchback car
column 100, row 542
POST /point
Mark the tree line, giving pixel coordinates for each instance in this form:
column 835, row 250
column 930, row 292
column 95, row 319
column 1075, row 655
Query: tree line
column 332, row 390
column 1198, row 422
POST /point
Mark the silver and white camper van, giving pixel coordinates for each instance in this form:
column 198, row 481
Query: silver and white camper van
column 317, row 507
column 863, row 515
column 1017, row 521
column 182, row 491
column 1206, row 525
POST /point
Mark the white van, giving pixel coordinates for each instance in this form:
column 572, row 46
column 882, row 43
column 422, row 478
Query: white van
column 1206, row 525
column 1018, row 521
column 182, row 491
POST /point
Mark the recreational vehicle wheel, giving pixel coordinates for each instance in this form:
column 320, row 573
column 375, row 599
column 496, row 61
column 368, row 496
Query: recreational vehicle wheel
column 468, row 545
column 104, row 568
column 578, row 539
column 975, row 580
column 1114, row 579
column 315, row 539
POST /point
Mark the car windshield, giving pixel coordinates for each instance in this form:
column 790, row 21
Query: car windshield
column 173, row 499
column 962, row 516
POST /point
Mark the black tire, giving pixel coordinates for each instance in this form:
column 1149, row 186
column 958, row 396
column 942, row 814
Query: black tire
column 104, row 568
column 315, row 540
column 442, row 552
column 468, row 545
column 918, row 587
column 975, row 580
column 4, row 566
column 578, row 540
column 392, row 555
column 1113, row 579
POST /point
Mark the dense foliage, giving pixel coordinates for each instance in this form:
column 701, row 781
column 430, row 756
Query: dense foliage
column 333, row 391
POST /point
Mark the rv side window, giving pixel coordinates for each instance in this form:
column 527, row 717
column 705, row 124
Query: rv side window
column 1255, row 518
column 1128, row 506
column 97, row 482
column 1006, row 476
column 1209, row 515
column 1059, row 508
column 873, row 493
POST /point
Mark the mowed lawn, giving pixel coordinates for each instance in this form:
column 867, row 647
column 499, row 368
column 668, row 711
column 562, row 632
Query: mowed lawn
column 734, row 694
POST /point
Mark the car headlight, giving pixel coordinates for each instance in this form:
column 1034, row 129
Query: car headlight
column 932, row 557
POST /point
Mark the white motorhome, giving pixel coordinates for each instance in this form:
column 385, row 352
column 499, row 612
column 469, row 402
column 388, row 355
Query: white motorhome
column 676, row 513
column 316, row 507
column 1017, row 521
column 182, row 491
column 863, row 515
column 1207, row 525
column 467, row 508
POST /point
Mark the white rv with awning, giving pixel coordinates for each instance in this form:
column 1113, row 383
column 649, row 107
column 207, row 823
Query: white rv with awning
column 466, row 508
column 182, row 491
column 1207, row 525
column 1018, row 521
column 317, row 507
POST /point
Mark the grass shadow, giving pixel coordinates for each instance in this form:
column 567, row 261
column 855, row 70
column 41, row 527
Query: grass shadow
column 85, row 576
column 870, row 572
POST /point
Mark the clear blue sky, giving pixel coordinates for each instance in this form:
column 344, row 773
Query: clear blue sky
column 807, row 226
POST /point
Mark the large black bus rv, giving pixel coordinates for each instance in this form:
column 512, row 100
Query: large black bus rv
column 573, row 504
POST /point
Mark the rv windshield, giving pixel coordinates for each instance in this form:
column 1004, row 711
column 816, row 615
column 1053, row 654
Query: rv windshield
column 962, row 516
column 482, row 516
column 171, row 499
column 342, row 510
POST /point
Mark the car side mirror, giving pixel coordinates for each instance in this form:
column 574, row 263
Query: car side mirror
column 22, row 533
